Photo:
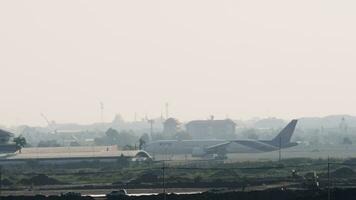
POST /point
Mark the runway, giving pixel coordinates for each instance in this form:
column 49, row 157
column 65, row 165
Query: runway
column 300, row 151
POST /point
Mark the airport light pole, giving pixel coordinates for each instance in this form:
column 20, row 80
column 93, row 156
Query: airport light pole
column 164, row 174
column 328, row 178
column 0, row 179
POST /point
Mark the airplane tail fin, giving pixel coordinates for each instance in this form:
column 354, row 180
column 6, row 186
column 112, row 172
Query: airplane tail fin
column 283, row 138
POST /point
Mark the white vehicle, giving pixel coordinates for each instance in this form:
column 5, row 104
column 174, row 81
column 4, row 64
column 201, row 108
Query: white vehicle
column 117, row 193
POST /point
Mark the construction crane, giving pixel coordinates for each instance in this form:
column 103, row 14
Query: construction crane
column 101, row 112
column 49, row 123
column 45, row 118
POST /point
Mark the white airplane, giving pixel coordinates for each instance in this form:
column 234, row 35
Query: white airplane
column 201, row 148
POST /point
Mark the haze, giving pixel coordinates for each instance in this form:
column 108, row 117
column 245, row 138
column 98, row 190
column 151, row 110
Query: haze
column 239, row 59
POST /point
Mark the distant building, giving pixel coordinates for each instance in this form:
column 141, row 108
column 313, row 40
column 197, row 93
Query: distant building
column 211, row 129
column 171, row 126
column 64, row 155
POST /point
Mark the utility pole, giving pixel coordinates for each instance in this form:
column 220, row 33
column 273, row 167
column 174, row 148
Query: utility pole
column 280, row 149
column 101, row 112
column 328, row 178
column 167, row 111
column 151, row 121
column 164, row 179
column 0, row 179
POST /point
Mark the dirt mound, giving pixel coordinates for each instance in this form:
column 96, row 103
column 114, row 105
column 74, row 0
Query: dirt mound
column 40, row 179
column 225, row 173
column 343, row 172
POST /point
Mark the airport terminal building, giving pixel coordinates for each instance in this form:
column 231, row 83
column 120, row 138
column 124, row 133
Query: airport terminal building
column 63, row 155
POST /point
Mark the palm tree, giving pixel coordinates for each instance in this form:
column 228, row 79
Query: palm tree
column 20, row 142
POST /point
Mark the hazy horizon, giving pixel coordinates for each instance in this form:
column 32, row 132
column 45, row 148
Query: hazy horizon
column 241, row 59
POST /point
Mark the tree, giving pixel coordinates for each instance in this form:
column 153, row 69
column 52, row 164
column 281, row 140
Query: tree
column 144, row 139
column 347, row 141
column 142, row 143
column 20, row 142
column 112, row 136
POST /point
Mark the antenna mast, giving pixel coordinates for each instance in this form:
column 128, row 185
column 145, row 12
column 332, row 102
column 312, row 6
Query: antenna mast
column 101, row 112
column 167, row 111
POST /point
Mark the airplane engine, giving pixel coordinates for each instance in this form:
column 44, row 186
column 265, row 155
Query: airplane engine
column 198, row 152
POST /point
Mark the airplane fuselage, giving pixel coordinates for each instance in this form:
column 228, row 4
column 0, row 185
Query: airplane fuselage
column 179, row 146
column 202, row 146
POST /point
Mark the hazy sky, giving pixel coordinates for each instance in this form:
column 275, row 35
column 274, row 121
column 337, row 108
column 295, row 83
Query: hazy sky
column 243, row 59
